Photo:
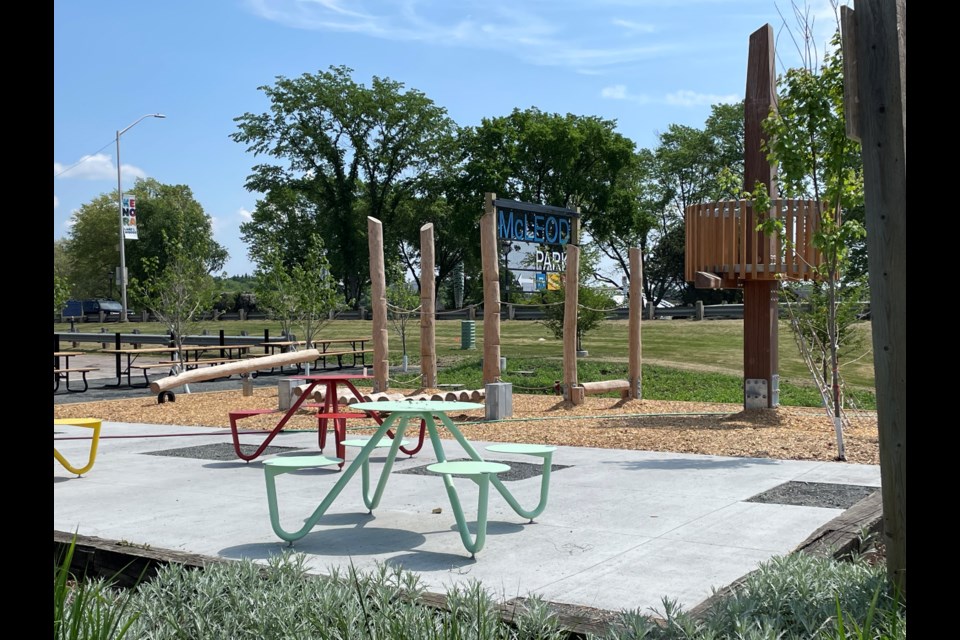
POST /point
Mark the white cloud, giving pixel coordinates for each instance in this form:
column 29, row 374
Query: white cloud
column 620, row 92
column 634, row 27
column 503, row 27
column 96, row 167
column 685, row 98
column 245, row 215
column 614, row 92
column 56, row 202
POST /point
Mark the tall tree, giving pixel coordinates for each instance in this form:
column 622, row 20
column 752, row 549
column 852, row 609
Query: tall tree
column 165, row 213
column 343, row 151
column 689, row 165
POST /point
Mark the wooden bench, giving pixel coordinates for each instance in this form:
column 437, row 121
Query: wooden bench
column 340, row 354
column 65, row 375
column 187, row 365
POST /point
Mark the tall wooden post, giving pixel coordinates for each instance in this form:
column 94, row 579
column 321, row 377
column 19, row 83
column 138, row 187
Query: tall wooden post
column 636, row 311
column 491, row 290
column 760, row 297
column 428, row 351
column 879, row 43
column 570, row 307
column 378, row 300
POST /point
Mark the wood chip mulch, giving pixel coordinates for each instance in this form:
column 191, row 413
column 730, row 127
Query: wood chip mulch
column 785, row 433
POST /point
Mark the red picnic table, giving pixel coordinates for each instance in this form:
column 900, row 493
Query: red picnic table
column 329, row 411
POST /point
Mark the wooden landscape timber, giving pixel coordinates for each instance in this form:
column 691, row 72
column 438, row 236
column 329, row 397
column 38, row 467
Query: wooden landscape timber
column 463, row 395
column 229, row 369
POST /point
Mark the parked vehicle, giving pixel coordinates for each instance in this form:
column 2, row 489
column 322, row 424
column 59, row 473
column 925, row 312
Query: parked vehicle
column 90, row 309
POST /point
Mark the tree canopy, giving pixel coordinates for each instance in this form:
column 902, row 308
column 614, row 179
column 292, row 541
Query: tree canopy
column 166, row 214
column 341, row 151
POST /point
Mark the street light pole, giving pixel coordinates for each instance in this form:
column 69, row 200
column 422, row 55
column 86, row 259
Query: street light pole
column 123, row 257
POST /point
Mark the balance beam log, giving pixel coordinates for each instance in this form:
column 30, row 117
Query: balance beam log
column 606, row 386
column 229, row 369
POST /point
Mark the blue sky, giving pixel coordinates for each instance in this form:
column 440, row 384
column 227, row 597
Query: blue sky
column 644, row 63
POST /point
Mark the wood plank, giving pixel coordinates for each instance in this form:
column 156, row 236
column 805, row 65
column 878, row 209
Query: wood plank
column 742, row 223
column 881, row 58
column 791, row 249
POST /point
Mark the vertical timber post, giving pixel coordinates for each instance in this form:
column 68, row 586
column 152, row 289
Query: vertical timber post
column 428, row 351
column 760, row 297
column 491, row 290
column 879, row 43
column 570, row 307
column 378, row 300
column 636, row 311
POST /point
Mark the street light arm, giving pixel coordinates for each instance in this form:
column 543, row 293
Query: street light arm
column 149, row 115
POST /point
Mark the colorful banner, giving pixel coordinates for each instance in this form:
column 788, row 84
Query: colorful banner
column 129, row 214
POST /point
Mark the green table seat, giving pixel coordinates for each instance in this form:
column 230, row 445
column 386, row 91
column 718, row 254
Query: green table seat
column 480, row 472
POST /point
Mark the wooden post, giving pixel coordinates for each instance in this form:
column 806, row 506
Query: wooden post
column 428, row 351
column 881, row 53
column 570, row 307
column 491, row 291
column 760, row 297
column 635, row 392
column 378, row 300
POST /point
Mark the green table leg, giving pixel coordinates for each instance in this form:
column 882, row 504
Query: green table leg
column 476, row 544
column 544, row 490
column 497, row 483
column 270, row 475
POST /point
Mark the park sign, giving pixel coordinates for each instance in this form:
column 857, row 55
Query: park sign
column 128, row 213
column 534, row 238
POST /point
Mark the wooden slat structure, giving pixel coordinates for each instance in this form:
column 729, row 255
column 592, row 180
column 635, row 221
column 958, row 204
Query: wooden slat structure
column 722, row 241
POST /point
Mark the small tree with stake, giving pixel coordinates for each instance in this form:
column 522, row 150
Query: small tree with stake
column 591, row 314
column 402, row 302
column 313, row 291
column 178, row 293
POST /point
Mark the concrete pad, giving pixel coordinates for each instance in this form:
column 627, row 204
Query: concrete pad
column 622, row 529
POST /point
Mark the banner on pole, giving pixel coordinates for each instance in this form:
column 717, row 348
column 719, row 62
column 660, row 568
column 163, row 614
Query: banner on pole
column 129, row 214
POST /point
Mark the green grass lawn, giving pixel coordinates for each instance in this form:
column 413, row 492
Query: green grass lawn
column 683, row 359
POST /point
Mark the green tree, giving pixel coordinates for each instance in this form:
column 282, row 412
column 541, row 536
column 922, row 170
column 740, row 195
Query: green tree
column 689, row 165
column 177, row 293
column 303, row 295
column 274, row 287
column 165, row 213
column 61, row 293
column 402, row 302
column 344, row 151
column 807, row 140
column 61, row 275
column 593, row 306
